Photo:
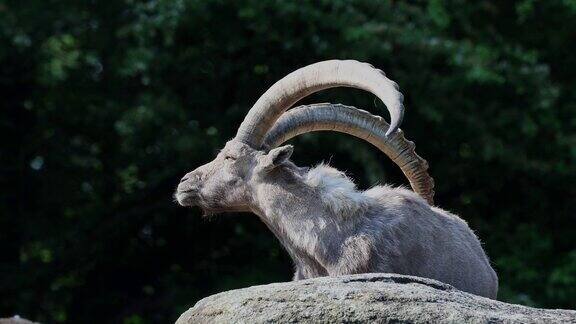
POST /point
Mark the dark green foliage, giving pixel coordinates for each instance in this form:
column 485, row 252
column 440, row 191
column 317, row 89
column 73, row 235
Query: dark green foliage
column 105, row 105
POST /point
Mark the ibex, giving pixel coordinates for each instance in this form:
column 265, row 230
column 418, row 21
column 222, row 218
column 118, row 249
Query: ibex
column 324, row 222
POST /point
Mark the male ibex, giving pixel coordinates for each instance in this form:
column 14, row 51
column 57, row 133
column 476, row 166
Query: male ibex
column 327, row 226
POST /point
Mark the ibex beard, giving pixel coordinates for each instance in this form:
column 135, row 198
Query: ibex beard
column 324, row 222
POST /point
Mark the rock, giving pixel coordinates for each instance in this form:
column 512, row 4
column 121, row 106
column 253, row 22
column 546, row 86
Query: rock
column 15, row 320
column 364, row 298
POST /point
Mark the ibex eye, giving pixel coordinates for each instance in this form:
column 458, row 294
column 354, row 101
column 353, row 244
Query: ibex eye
column 230, row 158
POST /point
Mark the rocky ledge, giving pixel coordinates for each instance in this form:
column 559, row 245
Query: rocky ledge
column 364, row 298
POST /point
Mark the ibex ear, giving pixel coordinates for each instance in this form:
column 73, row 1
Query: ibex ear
column 279, row 155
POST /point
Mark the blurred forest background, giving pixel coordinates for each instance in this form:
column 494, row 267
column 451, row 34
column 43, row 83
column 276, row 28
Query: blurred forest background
column 106, row 104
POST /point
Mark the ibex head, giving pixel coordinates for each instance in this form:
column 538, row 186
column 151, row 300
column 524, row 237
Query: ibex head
column 225, row 184
column 228, row 182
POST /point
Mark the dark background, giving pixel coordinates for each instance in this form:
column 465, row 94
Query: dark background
column 106, row 104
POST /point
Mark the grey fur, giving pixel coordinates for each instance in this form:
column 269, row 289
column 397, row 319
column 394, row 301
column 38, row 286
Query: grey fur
column 330, row 228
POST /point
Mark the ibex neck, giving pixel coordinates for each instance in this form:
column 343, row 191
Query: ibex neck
column 296, row 216
column 284, row 205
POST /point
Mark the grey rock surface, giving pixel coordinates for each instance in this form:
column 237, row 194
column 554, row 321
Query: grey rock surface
column 364, row 298
column 15, row 320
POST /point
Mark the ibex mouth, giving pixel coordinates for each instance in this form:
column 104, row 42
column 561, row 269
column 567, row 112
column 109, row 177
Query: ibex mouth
column 190, row 198
column 186, row 198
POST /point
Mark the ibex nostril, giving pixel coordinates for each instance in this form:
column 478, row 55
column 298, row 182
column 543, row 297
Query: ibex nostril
column 183, row 179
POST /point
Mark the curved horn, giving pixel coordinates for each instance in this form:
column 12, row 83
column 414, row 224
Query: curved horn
column 362, row 124
column 310, row 79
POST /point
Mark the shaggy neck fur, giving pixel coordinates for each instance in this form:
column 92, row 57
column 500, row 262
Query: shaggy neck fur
column 333, row 190
column 337, row 191
column 321, row 202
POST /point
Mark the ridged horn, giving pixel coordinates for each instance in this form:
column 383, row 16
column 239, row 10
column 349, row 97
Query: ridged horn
column 310, row 79
column 362, row 124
